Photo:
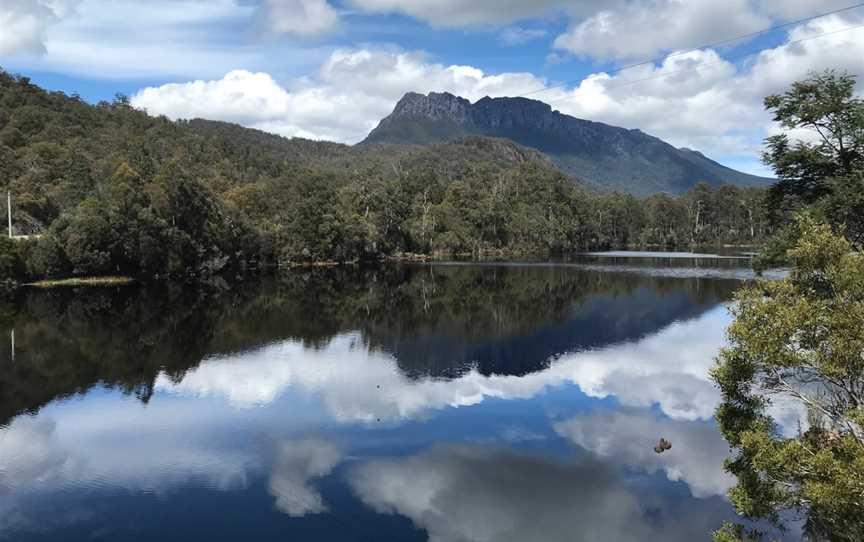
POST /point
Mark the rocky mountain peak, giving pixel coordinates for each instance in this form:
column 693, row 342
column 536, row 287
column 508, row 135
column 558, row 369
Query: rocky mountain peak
column 502, row 112
column 487, row 111
column 604, row 156
column 434, row 106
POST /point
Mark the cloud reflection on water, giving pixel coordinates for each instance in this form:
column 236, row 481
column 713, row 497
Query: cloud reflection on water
column 628, row 439
column 669, row 369
column 475, row 494
column 297, row 463
column 150, row 449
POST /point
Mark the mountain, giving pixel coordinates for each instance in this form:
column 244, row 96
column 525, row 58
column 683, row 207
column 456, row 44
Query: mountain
column 603, row 156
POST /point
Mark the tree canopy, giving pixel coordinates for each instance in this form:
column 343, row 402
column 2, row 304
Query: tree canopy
column 821, row 171
column 796, row 346
column 799, row 342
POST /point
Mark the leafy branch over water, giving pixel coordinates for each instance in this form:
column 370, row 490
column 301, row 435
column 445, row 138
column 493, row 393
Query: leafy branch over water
column 800, row 340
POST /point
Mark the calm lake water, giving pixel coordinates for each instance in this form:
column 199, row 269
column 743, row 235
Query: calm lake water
column 452, row 403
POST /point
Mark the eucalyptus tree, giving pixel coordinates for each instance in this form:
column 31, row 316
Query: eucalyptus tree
column 824, row 167
column 799, row 339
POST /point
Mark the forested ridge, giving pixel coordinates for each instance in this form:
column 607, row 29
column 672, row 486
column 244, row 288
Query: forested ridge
column 112, row 190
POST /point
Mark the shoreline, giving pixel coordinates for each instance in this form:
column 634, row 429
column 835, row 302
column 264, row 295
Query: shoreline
column 81, row 281
column 401, row 257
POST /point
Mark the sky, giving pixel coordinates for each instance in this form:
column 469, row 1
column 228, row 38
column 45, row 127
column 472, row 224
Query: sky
column 331, row 69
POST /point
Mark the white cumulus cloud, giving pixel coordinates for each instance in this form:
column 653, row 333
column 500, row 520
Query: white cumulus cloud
column 467, row 494
column 701, row 100
column 797, row 9
column 31, row 454
column 343, row 101
column 456, row 13
column 24, row 23
column 241, row 96
column 162, row 39
column 696, row 99
column 669, row 369
column 79, row 446
column 515, row 35
column 299, row 17
column 645, row 27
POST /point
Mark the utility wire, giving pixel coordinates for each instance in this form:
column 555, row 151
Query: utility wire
column 718, row 61
column 678, row 53
column 705, row 46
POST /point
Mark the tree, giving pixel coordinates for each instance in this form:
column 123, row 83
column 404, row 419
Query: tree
column 845, row 206
column 826, row 106
column 88, row 239
column 10, row 262
column 800, row 339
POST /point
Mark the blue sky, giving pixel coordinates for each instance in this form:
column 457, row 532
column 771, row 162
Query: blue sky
column 330, row 69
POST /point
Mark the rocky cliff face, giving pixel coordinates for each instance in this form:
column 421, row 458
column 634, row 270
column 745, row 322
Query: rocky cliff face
column 435, row 106
column 488, row 112
column 607, row 157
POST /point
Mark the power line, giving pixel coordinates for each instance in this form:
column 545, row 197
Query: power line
column 679, row 53
column 705, row 46
column 718, row 61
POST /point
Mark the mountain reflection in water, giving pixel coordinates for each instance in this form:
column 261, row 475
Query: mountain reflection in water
column 443, row 402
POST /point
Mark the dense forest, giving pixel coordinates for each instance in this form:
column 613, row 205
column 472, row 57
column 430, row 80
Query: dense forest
column 107, row 189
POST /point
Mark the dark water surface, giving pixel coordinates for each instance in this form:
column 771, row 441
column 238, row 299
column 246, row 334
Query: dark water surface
column 452, row 403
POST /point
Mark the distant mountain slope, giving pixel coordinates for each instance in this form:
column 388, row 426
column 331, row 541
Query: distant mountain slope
column 603, row 156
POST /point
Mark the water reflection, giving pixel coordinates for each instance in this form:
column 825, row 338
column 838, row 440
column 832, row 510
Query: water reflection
column 356, row 384
column 660, row 256
column 437, row 321
column 298, row 462
column 451, row 403
column 627, row 439
column 459, row 493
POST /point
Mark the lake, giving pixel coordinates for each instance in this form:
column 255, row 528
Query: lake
column 446, row 402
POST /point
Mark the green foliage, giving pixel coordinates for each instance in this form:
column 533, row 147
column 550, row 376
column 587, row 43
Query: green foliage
column 731, row 532
column 825, row 176
column 800, row 339
column 844, row 204
column 775, row 252
column 44, row 258
column 10, row 262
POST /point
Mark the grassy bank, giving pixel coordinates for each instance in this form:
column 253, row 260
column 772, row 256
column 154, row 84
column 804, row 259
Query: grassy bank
column 82, row 281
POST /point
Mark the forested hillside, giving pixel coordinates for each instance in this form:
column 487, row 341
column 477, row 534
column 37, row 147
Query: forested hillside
column 113, row 190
